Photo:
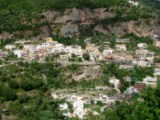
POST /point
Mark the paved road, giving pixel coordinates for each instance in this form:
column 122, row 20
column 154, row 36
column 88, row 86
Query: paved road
column 65, row 63
column 11, row 63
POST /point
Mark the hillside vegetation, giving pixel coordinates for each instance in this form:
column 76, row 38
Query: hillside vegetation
column 55, row 4
column 26, row 87
column 23, row 15
column 154, row 3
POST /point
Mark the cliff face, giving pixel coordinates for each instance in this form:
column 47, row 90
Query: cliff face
column 144, row 28
column 70, row 22
column 67, row 23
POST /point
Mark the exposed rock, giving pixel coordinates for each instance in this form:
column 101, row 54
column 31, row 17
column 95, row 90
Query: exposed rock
column 44, row 32
column 5, row 35
column 84, row 16
column 88, row 73
column 69, row 30
column 102, row 29
column 50, row 15
column 68, row 23
column 120, row 29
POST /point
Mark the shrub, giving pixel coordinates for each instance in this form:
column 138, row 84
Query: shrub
column 23, row 98
column 9, row 94
column 13, row 84
column 73, row 67
column 86, row 56
column 30, row 84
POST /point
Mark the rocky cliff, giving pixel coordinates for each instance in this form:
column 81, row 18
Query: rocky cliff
column 70, row 23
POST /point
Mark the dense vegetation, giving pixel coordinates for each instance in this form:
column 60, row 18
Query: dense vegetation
column 128, row 13
column 39, row 5
column 144, row 106
column 147, row 107
column 112, row 70
column 154, row 4
column 25, row 88
column 19, row 15
column 27, row 15
column 136, row 40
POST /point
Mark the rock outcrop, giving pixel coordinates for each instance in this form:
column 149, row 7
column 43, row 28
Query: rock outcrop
column 120, row 29
column 70, row 22
column 83, row 16
column 69, row 30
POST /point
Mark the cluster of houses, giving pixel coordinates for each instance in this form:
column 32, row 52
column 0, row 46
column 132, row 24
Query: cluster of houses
column 126, row 59
column 148, row 81
column 134, row 2
column 141, row 57
column 78, row 102
column 40, row 51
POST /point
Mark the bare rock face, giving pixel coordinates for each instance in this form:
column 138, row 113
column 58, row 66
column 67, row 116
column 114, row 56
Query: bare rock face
column 50, row 15
column 68, row 23
column 102, row 29
column 120, row 29
column 88, row 73
column 71, row 19
column 84, row 16
column 69, row 30
column 5, row 35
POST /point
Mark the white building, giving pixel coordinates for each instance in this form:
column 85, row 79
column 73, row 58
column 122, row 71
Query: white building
column 119, row 58
column 78, row 106
column 129, row 67
column 47, row 45
column 142, row 45
column 121, row 47
column 65, row 56
column 142, row 63
column 130, row 91
column 157, row 71
column 10, row 47
column 107, row 51
column 63, row 106
column 93, row 50
column 18, row 53
column 114, row 82
column 157, row 44
column 150, row 81
column 150, row 59
column 69, row 49
column 29, row 47
column 133, row 2
column 119, row 40
column 78, row 50
column 58, row 48
column 143, row 52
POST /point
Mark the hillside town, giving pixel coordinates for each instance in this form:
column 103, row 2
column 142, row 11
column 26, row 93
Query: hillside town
column 79, row 59
column 126, row 59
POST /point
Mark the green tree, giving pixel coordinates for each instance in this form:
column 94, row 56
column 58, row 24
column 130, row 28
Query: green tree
column 86, row 56
column 9, row 94
column 13, row 84
column 145, row 109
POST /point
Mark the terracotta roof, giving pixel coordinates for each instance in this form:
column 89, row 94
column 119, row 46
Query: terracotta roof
column 140, row 86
